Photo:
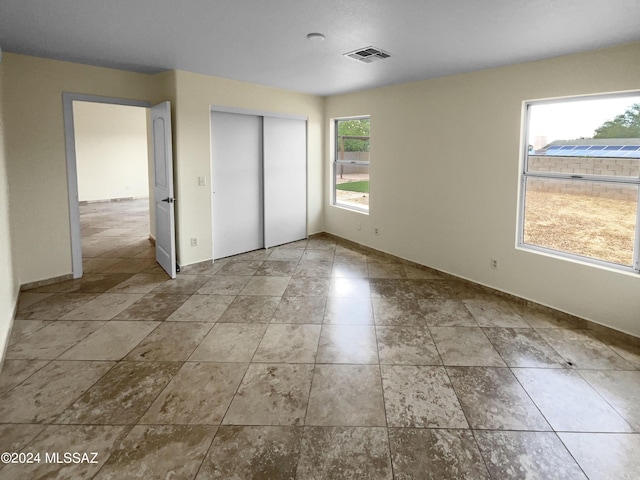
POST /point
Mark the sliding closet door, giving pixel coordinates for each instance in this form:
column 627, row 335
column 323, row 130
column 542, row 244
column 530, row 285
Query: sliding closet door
column 238, row 224
column 285, row 180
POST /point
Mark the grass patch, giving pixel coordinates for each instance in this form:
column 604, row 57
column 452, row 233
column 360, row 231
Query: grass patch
column 361, row 186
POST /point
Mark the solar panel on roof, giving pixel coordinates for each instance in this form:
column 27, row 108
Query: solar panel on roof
column 611, row 151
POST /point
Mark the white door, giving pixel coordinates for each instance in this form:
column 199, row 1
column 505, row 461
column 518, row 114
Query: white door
column 236, row 182
column 163, row 187
column 285, row 180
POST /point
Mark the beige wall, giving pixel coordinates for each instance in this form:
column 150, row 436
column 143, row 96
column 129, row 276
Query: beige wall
column 35, row 151
column 192, row 140
column 8, row 281
column 111, row 151
column 457, row 215
column 37, row 163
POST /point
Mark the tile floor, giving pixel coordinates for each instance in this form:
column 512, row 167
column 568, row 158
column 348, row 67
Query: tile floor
column 314, row 360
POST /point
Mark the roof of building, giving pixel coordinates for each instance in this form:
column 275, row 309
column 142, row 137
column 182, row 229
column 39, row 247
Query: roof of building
column 593, row 147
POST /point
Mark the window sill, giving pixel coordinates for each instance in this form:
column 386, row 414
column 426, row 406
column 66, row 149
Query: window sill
column 568, row 257
column 351, row 208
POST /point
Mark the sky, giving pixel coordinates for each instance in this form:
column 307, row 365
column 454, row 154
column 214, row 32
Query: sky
column 574, row 119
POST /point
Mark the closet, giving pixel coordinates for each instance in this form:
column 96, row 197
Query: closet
column 259, row 180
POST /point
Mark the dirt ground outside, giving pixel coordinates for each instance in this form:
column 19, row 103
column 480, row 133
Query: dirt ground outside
column 357, row 198
column 596, row 227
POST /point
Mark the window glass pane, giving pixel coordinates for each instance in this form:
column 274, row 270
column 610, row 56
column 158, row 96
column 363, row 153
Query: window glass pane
column 351, row 166
column 598, row 162
column 352, row 185
column 592, row 219
column 590, row 136
column 352, row 139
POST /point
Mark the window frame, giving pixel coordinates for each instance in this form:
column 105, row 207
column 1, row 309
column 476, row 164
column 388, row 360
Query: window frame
column 336, row 162
column 525, row 174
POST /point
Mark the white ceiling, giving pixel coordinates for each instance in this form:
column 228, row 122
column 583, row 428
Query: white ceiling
column 264, row 41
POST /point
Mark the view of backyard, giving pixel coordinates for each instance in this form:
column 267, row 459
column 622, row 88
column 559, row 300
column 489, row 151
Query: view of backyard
column 352, row 163
column 582, row 175
column 350, row 189
column 596, row 227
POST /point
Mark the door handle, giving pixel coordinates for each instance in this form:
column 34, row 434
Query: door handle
column 169, row 200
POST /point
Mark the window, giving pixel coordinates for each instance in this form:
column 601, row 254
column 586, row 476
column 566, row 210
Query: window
column 351, row 164
column 580, row 179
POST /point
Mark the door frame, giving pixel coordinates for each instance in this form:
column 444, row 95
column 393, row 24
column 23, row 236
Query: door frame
column 72, row 170
column 259, row 113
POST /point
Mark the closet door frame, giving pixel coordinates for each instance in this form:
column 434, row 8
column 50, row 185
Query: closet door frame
column 259, row 113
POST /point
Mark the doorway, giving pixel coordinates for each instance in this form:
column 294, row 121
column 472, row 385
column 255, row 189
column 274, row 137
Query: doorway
column 112, row 163
column 159, row 171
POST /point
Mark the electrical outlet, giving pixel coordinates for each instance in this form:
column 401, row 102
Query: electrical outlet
column 194, row 241
column 494, row 264
column 376, row 231
column 358, row 226
column 202, row 181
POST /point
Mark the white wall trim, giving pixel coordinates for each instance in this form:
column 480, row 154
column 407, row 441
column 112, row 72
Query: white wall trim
column 72, row 171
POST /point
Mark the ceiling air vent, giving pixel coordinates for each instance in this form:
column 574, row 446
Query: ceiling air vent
column 368, row 54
